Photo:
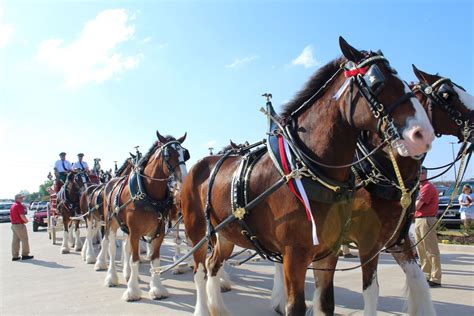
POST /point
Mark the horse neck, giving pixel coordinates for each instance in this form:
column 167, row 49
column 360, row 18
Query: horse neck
column 328, row 136
column 156, row 189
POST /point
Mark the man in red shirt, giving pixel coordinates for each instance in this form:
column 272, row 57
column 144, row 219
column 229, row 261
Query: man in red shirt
column 425, row 218
column 20, row 234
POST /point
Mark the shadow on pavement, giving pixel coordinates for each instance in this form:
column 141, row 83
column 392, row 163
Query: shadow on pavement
column 46, row 264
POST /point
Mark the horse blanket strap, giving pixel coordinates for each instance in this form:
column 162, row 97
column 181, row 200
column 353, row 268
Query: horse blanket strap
column 239, row 199
column 116, row 204
column 96, row 192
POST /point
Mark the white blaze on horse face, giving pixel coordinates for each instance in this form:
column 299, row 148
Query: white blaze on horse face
column 418, row 133
column 466, row 98
column 182, row 164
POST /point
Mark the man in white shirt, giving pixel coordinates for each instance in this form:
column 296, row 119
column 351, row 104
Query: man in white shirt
column 61, row 168
column 80, row 163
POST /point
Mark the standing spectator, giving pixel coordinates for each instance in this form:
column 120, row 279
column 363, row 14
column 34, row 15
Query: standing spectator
column 467, row 207
column 20, row 234
column 61, row 168
column 425, row 219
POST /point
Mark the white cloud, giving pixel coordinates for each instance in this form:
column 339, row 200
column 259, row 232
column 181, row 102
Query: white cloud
column 95, row 55
column 146, row 40
column 239, row 62
column 6, row 31
column 306, row 58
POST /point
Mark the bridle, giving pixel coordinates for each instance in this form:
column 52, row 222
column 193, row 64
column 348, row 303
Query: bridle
column 164, row 150
column 438, row 94
column 361, row 75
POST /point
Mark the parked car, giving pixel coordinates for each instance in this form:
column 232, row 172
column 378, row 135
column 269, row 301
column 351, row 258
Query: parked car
column 5, row 211
column 441, row 189
column 40, row 216
column 452, row 216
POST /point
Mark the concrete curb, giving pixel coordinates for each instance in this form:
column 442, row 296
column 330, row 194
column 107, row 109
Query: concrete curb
column 456, row 248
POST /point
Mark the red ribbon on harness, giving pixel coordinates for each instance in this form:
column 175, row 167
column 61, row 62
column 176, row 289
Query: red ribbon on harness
column 286, row 169
column 355, row 72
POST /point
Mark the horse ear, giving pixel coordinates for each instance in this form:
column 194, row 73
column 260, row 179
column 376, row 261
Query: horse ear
column 161, row 138
column 350, row 52
column 181, row 140
column 423, row 76
column 232, row 144
column 133, row 156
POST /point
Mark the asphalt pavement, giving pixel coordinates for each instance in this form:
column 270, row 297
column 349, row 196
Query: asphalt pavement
column 62, row 284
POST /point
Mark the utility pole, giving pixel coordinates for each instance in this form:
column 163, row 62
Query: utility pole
column 210, row 150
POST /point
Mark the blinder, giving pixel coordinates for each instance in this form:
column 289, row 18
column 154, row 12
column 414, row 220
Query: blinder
column 374, row 79
column 186, row 154
column 446, row 92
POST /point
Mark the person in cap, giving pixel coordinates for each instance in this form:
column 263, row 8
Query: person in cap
column 20, row 234
column 62, row 167
column 80, row 163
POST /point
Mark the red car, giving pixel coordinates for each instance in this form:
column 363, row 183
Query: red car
column 40, row 217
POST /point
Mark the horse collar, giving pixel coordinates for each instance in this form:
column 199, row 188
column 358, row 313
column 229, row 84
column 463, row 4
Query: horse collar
column 140, row 197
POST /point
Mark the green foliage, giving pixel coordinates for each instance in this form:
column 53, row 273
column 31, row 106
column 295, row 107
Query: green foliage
column 41, row 195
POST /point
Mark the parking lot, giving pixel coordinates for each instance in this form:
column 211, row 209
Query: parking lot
column 55, row 284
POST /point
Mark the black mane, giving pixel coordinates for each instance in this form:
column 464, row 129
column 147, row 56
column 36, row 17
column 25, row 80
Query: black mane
column 319, row 78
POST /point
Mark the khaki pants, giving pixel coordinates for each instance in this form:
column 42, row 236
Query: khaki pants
column 428, row 249
column 20, row 234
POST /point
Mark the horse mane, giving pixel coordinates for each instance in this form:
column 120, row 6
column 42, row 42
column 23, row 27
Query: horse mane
column 232, row 146
column 317, row 80
column 124, row 165
column 153, row 147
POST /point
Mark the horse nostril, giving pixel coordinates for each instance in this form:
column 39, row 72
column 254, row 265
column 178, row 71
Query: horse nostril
column 418, row 135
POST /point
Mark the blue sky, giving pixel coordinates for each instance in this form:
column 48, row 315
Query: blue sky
column 100, row 77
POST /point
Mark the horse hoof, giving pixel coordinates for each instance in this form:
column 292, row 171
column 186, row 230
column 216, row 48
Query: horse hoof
column 90, row 260
column 100, row 267
column 64, row 251
column 129, row 297
column 158, row 293
column 77, row 249
column 110, row 282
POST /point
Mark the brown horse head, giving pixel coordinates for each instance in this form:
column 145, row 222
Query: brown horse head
column 449, row 106
column 174, row 155
column 375, row 74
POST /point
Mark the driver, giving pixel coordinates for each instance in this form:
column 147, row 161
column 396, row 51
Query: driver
column 61, row 168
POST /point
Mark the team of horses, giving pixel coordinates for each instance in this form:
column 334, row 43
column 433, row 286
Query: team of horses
column 340, row 164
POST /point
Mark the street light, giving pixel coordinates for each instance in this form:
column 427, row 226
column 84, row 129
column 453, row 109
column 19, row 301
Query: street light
column 210, row 150
column 452, row 149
